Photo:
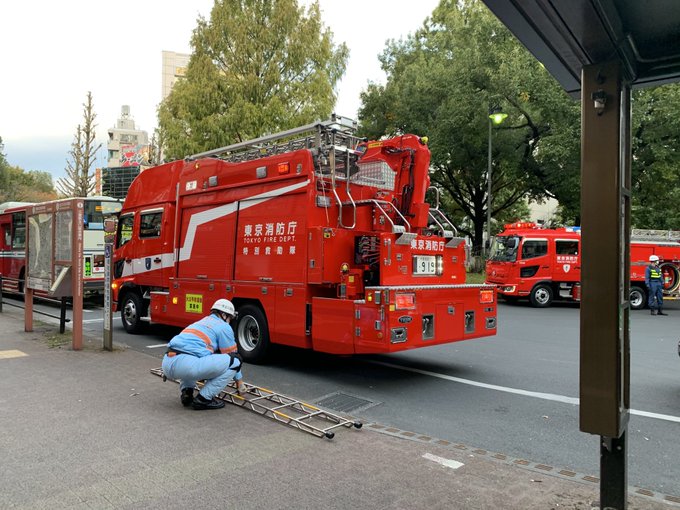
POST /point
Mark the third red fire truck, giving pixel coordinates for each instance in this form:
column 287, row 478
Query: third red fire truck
column 322, row 241
column 542, row 264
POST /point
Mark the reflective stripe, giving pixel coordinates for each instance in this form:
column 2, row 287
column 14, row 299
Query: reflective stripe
column 654, row 273
column 202, row 336
column 233, row 348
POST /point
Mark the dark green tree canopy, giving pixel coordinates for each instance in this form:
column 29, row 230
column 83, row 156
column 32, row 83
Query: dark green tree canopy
column 257, row 66
column 442, row 82
column 656, row 158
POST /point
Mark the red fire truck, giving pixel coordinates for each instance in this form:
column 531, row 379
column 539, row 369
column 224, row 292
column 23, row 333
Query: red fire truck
column 322, row 241
column 13, row 242
column 545, row 264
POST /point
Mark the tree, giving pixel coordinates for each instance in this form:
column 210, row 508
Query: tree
column 17, row 185
column 156, row 147
column 79, row 181
column 4, row 178
column 443, row 80
column 258, row 66
column 656, row 158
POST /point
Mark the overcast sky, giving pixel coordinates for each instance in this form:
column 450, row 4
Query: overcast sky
column 53, row 53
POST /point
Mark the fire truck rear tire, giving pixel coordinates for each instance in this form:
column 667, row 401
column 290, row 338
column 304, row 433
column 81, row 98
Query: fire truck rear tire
column 541, row 296
column 132, row 311
column 638, row 297
column 252, row 334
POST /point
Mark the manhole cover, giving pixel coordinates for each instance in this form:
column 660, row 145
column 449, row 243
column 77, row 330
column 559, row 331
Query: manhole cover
column 345, row 403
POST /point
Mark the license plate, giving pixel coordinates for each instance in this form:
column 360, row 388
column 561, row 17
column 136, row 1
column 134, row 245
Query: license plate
column 424, row 264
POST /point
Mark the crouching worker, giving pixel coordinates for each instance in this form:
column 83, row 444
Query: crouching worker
column 205, row 350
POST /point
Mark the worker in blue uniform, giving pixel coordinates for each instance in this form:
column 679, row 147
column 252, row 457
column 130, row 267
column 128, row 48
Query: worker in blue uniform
column 205, row 350
column 654, row 282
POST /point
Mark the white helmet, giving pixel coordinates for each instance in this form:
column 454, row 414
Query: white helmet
column 653, row 258
column 224, row 305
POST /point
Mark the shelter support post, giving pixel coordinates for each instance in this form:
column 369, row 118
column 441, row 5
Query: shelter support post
column 28, row 309
column 604, row 328
column 62, row 316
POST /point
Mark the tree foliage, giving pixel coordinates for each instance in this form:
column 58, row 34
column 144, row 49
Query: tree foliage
column 656, row 158
column 17, row 185
column 442, row 82
column 257, row 66
column 79, row 181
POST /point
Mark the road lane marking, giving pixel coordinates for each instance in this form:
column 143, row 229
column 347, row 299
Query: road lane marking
column 453, row 464
column 87, row 321
column 13, row 353
column 533, row 394
column 155, row 346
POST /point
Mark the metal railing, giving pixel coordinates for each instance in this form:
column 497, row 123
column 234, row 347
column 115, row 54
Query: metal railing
column 63, row 302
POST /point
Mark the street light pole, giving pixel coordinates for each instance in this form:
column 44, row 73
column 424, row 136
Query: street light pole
column 496, row 116
column 488, row 196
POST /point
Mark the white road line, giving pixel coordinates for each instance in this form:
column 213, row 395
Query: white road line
column 453, row 464
column 534, row 394
column 155, row 346
column 86, row 321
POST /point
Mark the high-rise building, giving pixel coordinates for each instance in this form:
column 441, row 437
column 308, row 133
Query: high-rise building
column 127, row 145
column 128, row 154
column 174, row 68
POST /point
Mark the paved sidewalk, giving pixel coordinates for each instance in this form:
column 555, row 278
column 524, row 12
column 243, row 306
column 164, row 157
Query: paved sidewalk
column 94, row 429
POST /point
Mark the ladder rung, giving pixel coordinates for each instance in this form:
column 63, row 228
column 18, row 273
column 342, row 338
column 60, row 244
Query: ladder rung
column 308, row 410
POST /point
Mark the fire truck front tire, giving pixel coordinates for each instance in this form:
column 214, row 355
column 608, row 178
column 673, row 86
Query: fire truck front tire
column 131, row 312
column 252, row 334
column 638, row 297
column 541, row 296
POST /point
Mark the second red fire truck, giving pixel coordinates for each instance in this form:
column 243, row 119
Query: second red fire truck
column 322, row 240
column 542, row 264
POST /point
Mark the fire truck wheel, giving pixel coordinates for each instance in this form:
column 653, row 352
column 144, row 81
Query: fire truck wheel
column 541, row 296
column 132, row 311
column 637, row 298
column 252, row 334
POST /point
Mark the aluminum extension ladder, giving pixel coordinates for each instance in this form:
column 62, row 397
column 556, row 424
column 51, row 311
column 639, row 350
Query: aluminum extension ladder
column 267, row 403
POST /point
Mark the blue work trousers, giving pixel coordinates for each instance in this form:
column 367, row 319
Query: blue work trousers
column 655, row 300
column 214, row 369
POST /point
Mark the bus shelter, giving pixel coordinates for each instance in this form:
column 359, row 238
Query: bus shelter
column 54, row 258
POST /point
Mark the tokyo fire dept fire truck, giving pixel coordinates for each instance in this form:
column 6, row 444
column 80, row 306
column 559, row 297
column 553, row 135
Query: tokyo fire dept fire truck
column 322, row 241
column 545, row 264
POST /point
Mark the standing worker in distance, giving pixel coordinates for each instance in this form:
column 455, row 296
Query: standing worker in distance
column 205, row 350
column 654, row 282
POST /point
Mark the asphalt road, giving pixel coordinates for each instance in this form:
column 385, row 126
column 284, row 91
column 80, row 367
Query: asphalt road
column 515, row 393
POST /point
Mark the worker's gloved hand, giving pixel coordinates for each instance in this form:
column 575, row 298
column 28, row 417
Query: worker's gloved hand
column 241, row 388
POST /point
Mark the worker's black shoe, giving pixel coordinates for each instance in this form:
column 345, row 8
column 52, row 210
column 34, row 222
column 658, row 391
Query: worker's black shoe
column 653, row 312
column 660, row 312
column 187, row 396
column 201, row 403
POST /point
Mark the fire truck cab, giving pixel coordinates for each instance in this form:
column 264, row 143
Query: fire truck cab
column 541, row 264
column 320, row 239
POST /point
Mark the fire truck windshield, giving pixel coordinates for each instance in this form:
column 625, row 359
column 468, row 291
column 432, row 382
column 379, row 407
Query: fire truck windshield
column 504, row 248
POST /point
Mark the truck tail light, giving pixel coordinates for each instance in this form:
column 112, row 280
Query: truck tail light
column 486, row 296
column 405, row 301
column 283, row 168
